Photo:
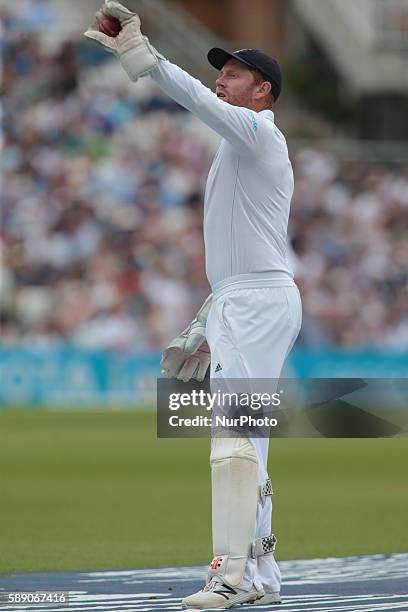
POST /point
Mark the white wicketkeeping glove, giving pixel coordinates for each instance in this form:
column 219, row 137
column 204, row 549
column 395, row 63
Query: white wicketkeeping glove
column 188, row 356
column 137, row 56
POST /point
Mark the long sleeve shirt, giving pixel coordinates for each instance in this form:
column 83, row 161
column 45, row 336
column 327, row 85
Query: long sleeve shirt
column 249, row 186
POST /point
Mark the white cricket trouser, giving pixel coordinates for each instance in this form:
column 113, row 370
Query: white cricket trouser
column 252, row 325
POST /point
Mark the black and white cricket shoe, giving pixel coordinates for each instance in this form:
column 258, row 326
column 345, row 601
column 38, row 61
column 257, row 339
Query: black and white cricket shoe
column 219, row 596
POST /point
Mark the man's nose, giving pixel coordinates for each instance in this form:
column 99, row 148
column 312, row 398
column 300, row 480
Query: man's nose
column 219, row 82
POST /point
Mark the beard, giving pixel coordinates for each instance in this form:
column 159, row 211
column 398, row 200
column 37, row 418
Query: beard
column 243, row 98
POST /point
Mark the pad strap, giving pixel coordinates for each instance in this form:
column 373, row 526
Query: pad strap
column 266, row 490
column 263, row 546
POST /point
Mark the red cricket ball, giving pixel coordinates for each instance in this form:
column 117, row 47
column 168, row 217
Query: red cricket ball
column 110, row 26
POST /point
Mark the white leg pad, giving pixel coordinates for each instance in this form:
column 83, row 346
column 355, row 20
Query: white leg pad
column 235, row 494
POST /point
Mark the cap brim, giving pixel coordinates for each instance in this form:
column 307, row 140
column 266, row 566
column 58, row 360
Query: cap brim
column 219, row 57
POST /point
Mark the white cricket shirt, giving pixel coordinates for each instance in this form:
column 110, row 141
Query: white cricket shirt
column 249, row 186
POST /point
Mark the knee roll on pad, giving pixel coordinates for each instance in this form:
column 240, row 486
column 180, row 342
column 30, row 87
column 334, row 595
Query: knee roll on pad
column 235, row 494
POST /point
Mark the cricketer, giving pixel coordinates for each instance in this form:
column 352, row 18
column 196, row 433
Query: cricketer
column 249, row 323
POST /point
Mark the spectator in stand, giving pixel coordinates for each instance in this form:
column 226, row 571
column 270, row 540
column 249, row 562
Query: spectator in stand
column 102, row 218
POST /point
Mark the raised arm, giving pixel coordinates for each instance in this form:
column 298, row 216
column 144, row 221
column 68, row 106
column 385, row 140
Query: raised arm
column 240, row 126
column 237, row 125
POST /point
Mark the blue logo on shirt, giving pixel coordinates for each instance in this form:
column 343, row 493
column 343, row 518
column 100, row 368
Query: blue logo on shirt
column 254, row 122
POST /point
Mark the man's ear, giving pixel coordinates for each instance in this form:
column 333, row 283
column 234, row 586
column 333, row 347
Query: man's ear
column 264, row 88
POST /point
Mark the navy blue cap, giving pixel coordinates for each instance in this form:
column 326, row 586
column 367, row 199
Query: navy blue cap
column 254, row 58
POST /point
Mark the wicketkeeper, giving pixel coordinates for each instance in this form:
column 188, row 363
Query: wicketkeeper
column 249, row 324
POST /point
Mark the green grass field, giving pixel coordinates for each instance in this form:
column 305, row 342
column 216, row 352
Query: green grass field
column 82, row 490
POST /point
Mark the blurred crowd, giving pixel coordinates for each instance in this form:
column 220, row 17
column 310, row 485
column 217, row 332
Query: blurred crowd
column 349, row 230
column 102, row 216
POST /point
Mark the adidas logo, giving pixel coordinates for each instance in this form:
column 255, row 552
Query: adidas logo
column 218, row 368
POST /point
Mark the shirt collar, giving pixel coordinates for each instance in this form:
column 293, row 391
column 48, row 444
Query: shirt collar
column 268, row 114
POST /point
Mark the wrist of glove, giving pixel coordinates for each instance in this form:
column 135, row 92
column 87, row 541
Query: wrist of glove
column 188, row 356
column 140, row 58
column 137, row 56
